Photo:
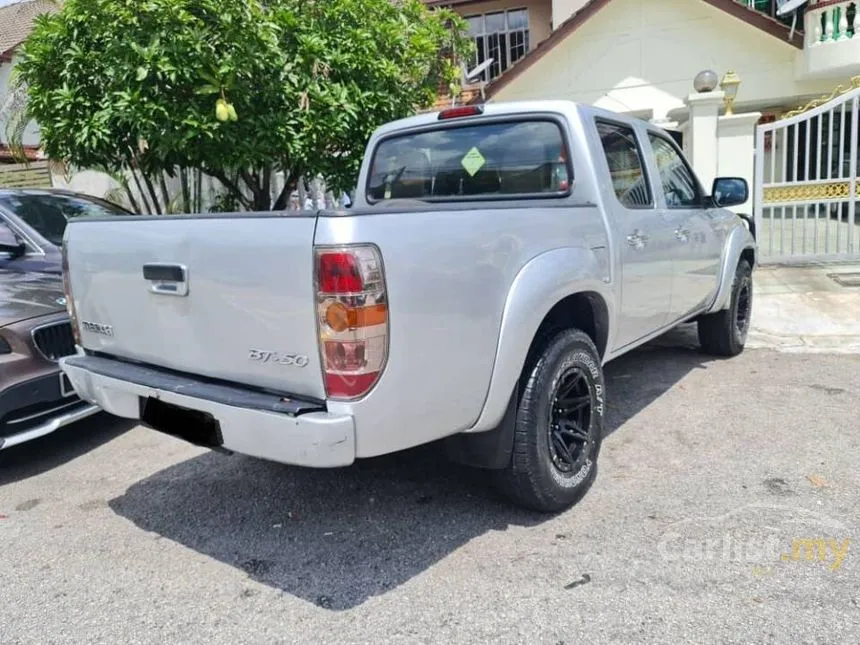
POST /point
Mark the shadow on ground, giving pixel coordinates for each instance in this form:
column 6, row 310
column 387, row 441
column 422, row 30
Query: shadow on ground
column 634, row 381
column 51, row 451
column 338, row 537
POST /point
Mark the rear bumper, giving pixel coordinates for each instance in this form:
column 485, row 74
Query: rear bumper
column 282, row 429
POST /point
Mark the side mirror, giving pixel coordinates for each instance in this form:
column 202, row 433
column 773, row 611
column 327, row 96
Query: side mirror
column 729, row 191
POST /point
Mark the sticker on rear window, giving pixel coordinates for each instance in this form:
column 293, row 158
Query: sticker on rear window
column 473, row 161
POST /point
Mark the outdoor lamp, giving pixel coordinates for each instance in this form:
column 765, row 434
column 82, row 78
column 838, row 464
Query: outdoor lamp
column 729, row 85
column 705, row 81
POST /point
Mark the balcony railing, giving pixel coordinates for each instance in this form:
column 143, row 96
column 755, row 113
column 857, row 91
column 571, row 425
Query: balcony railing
column 830, row 30
column 830, row 21
column 832, row 47
column 769, row 7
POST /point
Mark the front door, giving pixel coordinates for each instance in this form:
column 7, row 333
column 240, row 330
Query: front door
column 642, row 234
column 695, row 248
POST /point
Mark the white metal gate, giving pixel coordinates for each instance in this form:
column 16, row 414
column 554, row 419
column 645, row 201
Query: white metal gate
column 806, row 184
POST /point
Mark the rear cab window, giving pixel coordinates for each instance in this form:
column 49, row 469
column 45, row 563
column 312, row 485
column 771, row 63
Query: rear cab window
column 524, row 157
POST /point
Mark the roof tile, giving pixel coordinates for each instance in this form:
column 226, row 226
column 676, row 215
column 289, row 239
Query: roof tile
column 16, row 21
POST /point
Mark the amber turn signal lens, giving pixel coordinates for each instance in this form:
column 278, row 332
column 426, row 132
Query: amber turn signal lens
column 340, row 317
column 337, row 316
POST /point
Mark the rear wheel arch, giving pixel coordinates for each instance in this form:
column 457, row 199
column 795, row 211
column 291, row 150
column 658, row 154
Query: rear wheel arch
column 583, row 310
column 568, row 285
column 581, row 313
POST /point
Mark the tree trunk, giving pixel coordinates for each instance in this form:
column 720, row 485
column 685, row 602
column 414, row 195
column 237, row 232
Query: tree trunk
column 131, row 199
column 186, row 192
column 134, row 173
column 231, row 186
column 164, row 192
column 290, row 184
column 267, row 185
column 198, row 190
column 262, row 200
column 151, row 188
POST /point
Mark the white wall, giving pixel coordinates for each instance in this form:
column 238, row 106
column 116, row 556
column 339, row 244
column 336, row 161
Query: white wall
column 31, row 134
column 564, row 9
column 639, row 54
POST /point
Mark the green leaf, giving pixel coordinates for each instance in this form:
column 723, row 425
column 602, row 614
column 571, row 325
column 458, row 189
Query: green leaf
column 360, row 63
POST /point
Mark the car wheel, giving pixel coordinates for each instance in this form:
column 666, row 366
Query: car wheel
column 559, row 426
column 724, row 333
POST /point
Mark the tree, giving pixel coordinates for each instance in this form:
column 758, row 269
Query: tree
column 237, row 89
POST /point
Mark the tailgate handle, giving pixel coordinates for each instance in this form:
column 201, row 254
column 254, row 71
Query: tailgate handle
column 167, row 279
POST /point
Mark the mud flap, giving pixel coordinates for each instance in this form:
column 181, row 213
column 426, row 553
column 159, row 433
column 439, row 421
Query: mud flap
column 490, row 450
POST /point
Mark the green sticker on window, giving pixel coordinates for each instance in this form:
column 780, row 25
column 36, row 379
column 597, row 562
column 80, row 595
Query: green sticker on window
column 473, row 161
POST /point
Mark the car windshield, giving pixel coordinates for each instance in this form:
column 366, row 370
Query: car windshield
column 48, row 214
column 489, row 160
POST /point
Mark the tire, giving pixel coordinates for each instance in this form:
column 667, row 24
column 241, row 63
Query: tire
column 724, row 333
column 539, row 476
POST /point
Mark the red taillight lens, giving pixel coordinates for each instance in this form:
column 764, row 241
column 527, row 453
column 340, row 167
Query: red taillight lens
column 67, row 291
column 339, row 273
column 352, row 317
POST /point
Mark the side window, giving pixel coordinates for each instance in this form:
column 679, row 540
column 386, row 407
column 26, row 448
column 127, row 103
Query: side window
column 7, row 236
column 9, row 240
column 626, row 167
column 679, row 184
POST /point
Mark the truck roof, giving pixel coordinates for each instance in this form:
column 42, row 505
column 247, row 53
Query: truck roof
column 571, row 109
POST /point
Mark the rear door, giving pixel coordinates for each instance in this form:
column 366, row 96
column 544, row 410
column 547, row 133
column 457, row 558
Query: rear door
column 228, row 297
column 694, row 246
column 642, row 234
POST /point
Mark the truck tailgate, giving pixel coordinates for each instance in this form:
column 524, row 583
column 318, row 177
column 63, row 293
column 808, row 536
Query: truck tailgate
column 230, row 298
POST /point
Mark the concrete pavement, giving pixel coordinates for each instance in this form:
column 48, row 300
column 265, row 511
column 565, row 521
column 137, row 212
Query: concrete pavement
column 806, row 309
column 713, row 478
column 725, row 511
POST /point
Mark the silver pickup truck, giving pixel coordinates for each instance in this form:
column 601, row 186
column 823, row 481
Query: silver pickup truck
column 496, row 257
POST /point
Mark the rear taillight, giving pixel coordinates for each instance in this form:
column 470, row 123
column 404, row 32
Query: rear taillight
column 352, row 318
column 67, row 290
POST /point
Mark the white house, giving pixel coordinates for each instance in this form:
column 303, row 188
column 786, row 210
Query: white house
column 640, row 57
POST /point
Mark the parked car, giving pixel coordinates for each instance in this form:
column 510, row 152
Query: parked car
column 32, row 223
column 36, row 398
column 494, row 259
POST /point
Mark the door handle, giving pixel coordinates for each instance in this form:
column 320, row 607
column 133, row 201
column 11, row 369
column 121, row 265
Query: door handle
column 682, row 234
column 167, row 279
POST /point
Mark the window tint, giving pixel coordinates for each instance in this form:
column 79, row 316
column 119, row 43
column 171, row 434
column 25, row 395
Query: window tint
column 48, row 214
column 625, row 165
column 492, row 160
column 679, row 184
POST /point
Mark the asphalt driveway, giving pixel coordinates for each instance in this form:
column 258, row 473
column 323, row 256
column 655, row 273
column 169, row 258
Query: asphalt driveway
column 725, row 511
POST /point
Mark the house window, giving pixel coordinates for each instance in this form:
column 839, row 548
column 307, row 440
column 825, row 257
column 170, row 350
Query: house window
column 502, row 36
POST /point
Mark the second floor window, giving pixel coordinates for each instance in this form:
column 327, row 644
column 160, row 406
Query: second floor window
column 502, row 36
